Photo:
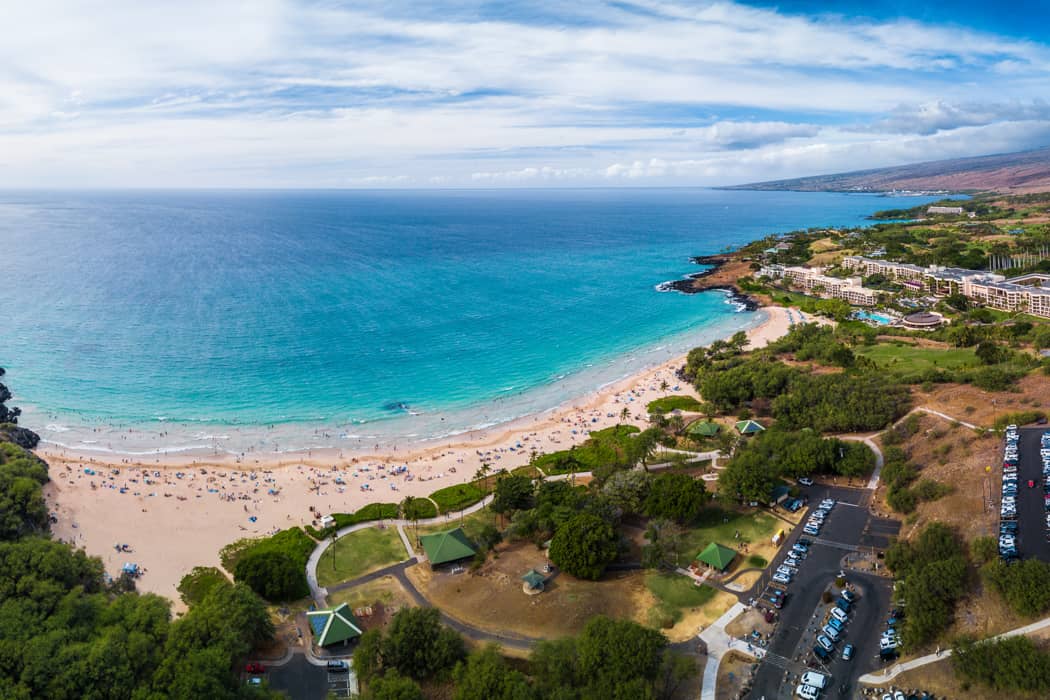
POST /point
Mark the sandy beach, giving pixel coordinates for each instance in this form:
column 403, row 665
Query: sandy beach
column 175, row 513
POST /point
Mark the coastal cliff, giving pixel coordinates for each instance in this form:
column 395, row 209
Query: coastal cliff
column 726, row 269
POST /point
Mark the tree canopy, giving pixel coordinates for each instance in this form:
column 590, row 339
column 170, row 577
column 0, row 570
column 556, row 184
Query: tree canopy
column 676, row 496
column 584, row 546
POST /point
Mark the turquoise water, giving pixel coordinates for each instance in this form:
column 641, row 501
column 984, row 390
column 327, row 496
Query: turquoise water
column 870, row 316
column 303, row 319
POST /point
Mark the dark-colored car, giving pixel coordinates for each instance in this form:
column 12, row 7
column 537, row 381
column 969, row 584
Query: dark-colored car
column 337, row 666
column 821, row 653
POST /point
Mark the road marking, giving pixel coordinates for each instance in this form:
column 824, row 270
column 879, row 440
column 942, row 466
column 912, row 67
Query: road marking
column 838, row 545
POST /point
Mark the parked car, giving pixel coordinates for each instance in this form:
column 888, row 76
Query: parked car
column 799, row 547
column 847, row 652
column 817, row 680
column 255, row 668
column 842, row 605
column 807, row 692
column 839, row 614
column 836, row 624
column 781, row 578
column 849, row 595
column 337, row 666
column 825, row 642
column 832, row 633
column 805, row 481
column 821, row 653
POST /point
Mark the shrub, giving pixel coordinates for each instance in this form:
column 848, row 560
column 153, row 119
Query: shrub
column 667, row 404
column 457, row 497
column 282, row 556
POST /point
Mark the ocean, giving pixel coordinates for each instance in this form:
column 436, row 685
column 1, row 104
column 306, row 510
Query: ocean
column 290, row 320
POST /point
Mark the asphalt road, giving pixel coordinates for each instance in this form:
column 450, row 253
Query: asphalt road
column 300, row 679
column 849, row 527
column 1031, row 514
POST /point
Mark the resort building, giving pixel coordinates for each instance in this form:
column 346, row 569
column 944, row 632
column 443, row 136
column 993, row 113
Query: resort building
column 814, row 281
column 944, row 210
column 922, row 321
column 1028, row 293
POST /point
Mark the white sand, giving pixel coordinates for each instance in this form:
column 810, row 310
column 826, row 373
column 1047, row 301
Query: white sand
column 175, row 515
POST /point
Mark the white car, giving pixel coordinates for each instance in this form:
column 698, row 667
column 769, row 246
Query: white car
column 817, row 680
column 781, row 578
column 786, row 570
column 807, row 692
column 839, row 615
column 805, row 481
column 828, row 503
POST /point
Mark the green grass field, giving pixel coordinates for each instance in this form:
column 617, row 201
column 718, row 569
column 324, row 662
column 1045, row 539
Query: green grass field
column 757, row 527
column 666, row 404
column 678, row 591
column 457, row 497
column 360, row 553
column 906, row 359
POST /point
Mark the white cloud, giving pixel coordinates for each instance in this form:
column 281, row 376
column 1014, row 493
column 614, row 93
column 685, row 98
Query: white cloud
column 286, row 93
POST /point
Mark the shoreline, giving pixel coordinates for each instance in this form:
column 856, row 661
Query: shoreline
column 177, row 513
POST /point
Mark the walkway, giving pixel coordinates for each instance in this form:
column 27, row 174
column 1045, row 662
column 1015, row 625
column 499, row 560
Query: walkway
column 718, row 643
column 897, row 669
column 320, row 594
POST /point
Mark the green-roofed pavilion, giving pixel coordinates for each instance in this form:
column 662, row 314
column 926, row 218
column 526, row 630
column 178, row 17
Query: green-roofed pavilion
column 333, row 625
column 703, row 428
column 717, row 556
column 534, row 579
column 450, row 545
column 749, row 427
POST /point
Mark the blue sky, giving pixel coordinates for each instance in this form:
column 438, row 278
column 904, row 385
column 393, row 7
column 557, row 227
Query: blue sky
column 279, row 93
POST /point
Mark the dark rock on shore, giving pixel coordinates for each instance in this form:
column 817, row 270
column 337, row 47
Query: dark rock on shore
column 721, row 276
column 23, row 437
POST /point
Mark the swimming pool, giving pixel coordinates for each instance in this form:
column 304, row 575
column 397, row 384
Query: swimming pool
column 875, row 318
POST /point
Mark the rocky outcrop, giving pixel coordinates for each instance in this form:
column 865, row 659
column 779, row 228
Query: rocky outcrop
column 9, row 430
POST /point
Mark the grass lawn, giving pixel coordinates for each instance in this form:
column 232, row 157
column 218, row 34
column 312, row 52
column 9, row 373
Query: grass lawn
column 457, row 497
column 666, row 404
column 359, row 553
column 756, row 527
column 906, row 359
column 678, row 591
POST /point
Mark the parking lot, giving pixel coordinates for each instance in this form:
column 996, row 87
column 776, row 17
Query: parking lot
column 848, row 528
column 302, row 680
column 1031, row 513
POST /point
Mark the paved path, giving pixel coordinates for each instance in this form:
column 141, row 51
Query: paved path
column 319, row 594
column 718, row 643
column 897, row 669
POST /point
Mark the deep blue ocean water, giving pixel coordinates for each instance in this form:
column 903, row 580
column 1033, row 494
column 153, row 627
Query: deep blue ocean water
column 344, row 314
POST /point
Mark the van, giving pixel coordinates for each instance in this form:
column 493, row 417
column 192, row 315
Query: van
column 817, row 680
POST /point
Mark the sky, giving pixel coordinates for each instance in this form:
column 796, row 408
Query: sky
column 398, row 93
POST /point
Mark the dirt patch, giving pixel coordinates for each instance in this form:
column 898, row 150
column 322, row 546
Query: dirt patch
column 748, row 621
column 695, row 619
column 376, row 602
column 951, row 454
column 981, row 407
column 734, row 676
column 492, row 599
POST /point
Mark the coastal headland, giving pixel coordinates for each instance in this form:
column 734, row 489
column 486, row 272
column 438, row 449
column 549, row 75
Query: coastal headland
column 722, row 275
column 175, row 512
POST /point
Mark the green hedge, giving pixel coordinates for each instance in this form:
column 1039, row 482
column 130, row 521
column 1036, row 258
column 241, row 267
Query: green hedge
column 457, row 497
column 667, row 404
column 373, row 511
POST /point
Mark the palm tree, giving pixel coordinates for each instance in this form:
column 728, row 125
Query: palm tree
column 625, row 414
column 410, row 512
column 332, row 548
column 664, row 385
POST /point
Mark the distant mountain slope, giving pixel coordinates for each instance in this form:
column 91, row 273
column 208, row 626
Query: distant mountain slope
column 1027, row 171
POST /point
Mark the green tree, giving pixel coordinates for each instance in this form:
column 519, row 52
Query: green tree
column 989, row 353
column 419, row 646
column 513, row 492
column 368, row 655
column 676, row 496
column 272, row 574
column 584, row 546
column 486, row 676
column 393, row 686
column 627, row 490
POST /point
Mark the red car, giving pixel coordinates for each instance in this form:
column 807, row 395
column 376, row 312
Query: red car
column 1031, row 483
column 255, row 668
